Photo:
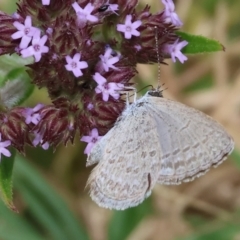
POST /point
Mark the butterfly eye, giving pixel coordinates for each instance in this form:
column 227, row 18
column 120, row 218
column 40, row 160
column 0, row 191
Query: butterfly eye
column 103, row 8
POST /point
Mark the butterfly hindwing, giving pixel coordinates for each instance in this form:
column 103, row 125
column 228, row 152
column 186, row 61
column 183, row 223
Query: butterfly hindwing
column 129, row 164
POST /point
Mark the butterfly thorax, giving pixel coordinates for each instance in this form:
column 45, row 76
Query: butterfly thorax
column 140, row 104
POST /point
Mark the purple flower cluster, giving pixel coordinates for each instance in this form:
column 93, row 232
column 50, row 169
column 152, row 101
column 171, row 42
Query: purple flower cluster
column 85, row 54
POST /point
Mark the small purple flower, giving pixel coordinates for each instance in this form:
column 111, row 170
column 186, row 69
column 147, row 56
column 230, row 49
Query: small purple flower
column 31, row 115
column 75, row 65
column 45, row 2
column 138, row 47
column 49, row 31
column 84, row 14
column 3, row 145
column 169, row 13
column 106, row 88
column 90, row 106
column 26, row 32
column 175, row 50
column 91, row 140
column 38, row 140
column 37, row 48
column 108, row 60
column 113, row 8
column 129, row 28
column 15, row 15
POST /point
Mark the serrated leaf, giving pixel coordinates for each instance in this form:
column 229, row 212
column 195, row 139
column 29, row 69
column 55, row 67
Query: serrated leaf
column 17, row 87
column 6, row 167
column 199, row 44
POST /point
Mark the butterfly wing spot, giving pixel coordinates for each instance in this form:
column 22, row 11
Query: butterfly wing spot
column 103, row 175
column 120, row 159
column 204, row 140
column 152, row 153
column 110, row 183
column 129, row 169
column 186, row 149
column 126, row 187
column 136, row 170
column 149, row 182
column 144, row 154
column 111, row 161
column 140, row 104
column 196, row 145
column 167, row 155
column 176, row 151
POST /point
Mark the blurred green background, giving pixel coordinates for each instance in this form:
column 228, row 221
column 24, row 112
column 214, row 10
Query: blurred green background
column 49, row 188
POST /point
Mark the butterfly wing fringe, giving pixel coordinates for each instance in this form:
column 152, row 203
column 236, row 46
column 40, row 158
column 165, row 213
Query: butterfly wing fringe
column 103, row 199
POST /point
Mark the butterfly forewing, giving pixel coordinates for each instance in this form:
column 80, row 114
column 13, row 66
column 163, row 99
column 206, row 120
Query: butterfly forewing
column 129, row 161
column 192, row 142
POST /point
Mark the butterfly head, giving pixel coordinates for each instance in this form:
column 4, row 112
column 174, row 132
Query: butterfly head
column 155, row 93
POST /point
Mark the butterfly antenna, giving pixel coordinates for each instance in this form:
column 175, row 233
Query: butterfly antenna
column 158, row 57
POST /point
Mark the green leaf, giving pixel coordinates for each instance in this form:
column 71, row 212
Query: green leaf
column 9, row 62
column 236, row 157
column 46, row 206
column 16, row 87
column 14, row 226
column 210, row 5
column 14, row 79
column 6, row 167
column 224, row 232
column 123, row 222
column 199, row 44
column 10, row 7
column 202, row 83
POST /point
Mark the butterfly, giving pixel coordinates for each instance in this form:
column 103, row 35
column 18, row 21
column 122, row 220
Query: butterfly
column 155, row 140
